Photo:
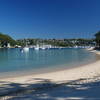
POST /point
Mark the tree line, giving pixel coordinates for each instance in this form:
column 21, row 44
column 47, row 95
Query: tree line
column 5, row 39
column 57, row 42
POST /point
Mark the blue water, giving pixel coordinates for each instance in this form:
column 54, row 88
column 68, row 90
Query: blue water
column 15, row 60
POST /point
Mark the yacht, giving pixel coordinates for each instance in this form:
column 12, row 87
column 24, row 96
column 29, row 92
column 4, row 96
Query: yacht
column 37, row 47
column 43, row 47
column 26, row 49
column 76, row 46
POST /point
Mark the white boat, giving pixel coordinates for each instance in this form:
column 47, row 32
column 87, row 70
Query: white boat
column 76, row 46
column 26, row 49
column 36, row 47
column 43, row 47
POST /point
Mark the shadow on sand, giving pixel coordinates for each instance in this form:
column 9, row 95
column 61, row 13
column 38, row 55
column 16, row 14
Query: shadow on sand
column 47, row 90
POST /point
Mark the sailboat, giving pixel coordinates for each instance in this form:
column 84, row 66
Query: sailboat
column 26, row 48
column 37, row 47
column 43, row 47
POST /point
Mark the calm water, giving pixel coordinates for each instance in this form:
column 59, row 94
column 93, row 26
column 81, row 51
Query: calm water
column 15, row 60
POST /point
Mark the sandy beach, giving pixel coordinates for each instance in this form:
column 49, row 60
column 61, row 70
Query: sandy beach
column 82, row 75
column 85, row 71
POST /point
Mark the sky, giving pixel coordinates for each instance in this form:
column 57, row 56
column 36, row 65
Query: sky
column 49, row 18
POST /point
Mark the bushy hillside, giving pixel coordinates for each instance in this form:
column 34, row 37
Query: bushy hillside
column 4, row 39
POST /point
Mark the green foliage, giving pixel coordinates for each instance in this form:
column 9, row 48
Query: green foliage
column 97, row 35
column 57, row 42
column 4, row 39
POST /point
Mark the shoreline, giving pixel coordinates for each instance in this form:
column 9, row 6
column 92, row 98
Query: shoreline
column 20, row 74
column 60, row 74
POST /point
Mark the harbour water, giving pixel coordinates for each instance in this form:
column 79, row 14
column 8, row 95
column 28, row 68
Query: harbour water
column 12, row 60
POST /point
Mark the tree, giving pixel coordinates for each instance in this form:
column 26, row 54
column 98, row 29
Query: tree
column 5, row 39
column 97, row 35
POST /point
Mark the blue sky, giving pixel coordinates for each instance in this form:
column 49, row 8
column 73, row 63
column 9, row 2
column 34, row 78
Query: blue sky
column 49, row 18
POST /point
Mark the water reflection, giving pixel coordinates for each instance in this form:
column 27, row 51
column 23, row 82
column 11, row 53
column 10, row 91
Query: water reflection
column 14, row 59
column 4, row 54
